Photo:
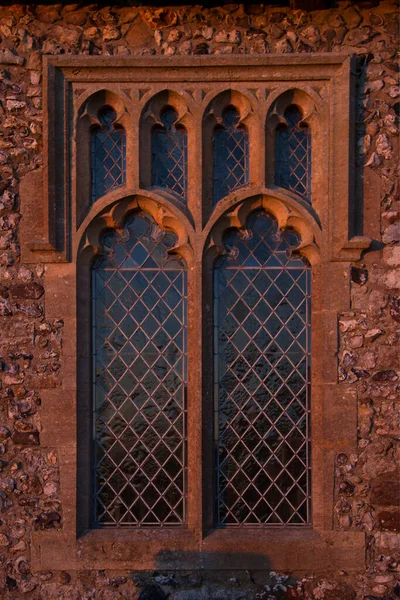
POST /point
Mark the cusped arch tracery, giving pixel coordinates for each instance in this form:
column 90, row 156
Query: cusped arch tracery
column 139, row 357
column 181, row 102
column 113, row 216
column 262, row 289
column 287, row 214
column 216, row 102
column 91, row 106
column 291, row 125
column 230, row 154
column 306, row 101
column 169, row 155
column 101, row 131
column 108, row 154
column 229, row 125
column 166, row 125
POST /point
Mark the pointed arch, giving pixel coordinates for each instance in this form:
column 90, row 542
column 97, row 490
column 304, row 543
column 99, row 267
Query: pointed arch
column 169, row 154
column 108, row 154
column 230, row 154
column 229, row 123
column 289, row 134
column 165, row 126
column 139, row 357
column 288, row 212
column 101, row 167
column 293, row 153
column 261, row 376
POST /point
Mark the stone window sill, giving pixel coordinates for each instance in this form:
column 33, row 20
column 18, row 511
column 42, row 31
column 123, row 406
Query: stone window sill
column 289, row 549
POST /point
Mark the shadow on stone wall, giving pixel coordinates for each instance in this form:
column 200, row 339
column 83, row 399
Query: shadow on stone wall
column 214, row 576
column 363, row 221
column 212, row 560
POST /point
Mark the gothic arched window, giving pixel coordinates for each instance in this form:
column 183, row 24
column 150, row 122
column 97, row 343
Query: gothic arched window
column 196, row 304
column 108, row 150
column 139, row 298
column 169, row 155
column 262, row 321
column 293, row 154
column 230, row 154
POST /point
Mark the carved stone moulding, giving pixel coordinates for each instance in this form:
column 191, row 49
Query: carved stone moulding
column 114, row 215
column 56, row 202
column 287, row 217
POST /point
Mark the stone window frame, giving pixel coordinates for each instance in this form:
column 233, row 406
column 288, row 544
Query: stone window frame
column 56, row 232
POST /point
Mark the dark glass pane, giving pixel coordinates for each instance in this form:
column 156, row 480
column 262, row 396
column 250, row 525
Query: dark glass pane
column 262, row 321
column 231, row 155
column 169, row 155
column 140, row 374
column 293, row 155
column 108, row 155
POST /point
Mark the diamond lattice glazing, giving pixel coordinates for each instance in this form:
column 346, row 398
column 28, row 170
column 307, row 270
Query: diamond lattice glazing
column 108, row 155
column 293, row 155
column 169, row 155
column 140, row 374
column 231, row 155
column 262, row 354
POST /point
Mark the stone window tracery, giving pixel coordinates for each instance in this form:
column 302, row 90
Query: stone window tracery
column 169, row 154
column 230, row 154
column 139, row 295
column 108, row 154
column 293, row 154
column 262, row 356
column 262, row 375
column 204, row 231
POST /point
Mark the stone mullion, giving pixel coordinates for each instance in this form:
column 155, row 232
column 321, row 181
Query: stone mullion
column 195, row 396
column 257, row 164
column 196, row 416
column 207, row 395
column 195, row 172
column 132, row 147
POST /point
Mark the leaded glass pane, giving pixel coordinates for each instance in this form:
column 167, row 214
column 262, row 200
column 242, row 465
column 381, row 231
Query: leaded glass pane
column 231, row 155
column 140, row 377
column 262, row 361
column 293, row 155
column 108, row 155
column 169, row 155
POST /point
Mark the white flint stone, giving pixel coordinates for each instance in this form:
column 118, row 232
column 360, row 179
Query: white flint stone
column 374, row 160
column 383, row 145
column 158, row 37
column 392, row 279
column 174, row 36
column 207, row 32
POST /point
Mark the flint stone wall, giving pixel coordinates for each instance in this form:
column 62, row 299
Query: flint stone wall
column 31, row 359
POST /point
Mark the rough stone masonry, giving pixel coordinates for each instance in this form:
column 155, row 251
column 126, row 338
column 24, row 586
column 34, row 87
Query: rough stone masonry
column 367, row 490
